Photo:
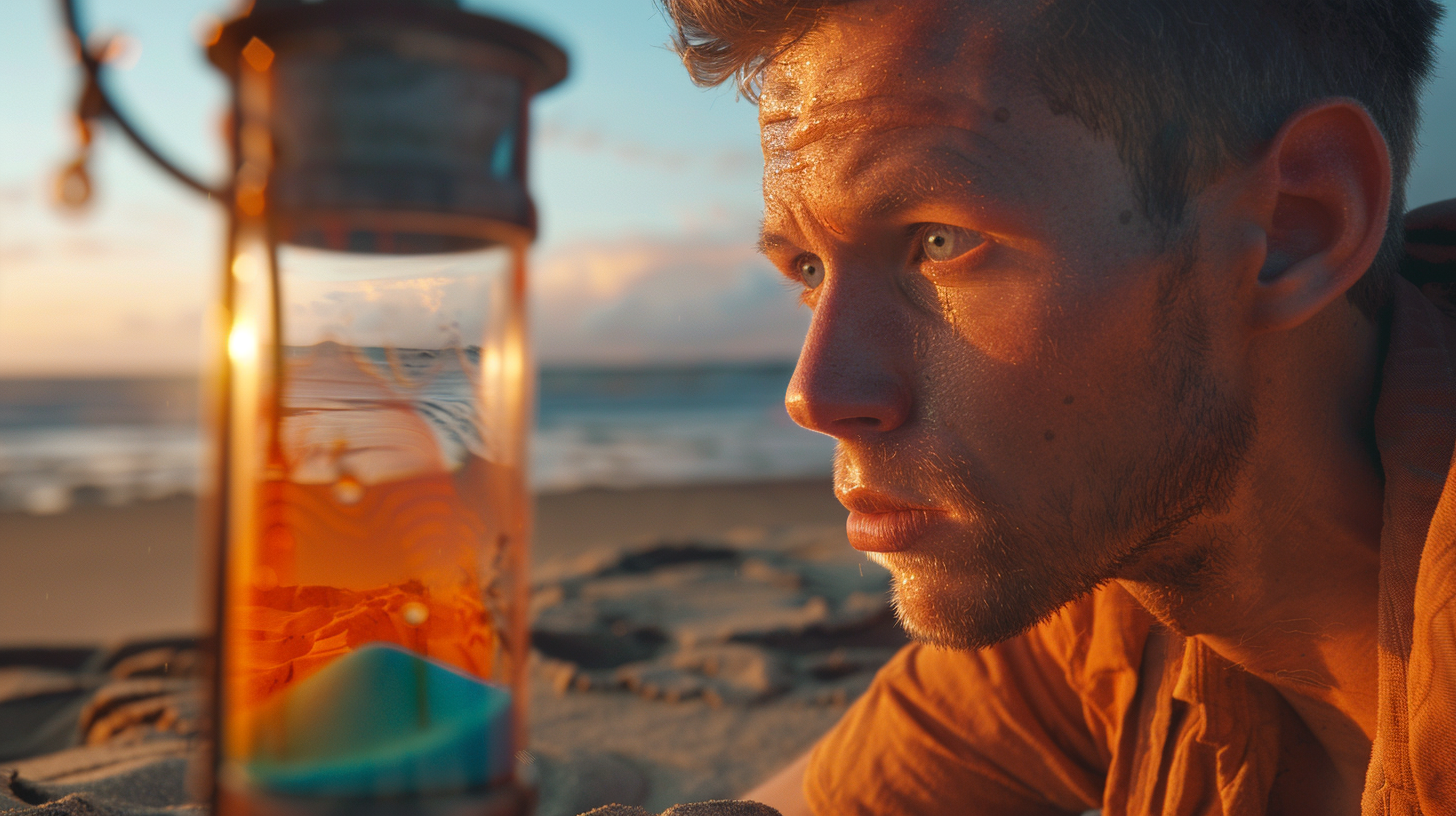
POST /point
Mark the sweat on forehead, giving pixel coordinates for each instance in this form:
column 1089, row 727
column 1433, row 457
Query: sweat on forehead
column 914, row 62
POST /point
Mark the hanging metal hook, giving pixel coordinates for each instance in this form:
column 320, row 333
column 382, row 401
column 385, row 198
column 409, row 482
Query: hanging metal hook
column 73, row 183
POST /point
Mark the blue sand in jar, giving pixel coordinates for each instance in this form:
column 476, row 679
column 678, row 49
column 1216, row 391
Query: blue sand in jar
column 382, row 721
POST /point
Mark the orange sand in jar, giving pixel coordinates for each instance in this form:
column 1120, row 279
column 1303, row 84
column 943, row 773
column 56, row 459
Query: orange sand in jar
column 291, row 632
column 339, row 567
column 367, row 530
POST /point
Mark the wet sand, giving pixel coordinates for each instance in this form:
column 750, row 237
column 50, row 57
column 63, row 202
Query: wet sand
column 97, row 574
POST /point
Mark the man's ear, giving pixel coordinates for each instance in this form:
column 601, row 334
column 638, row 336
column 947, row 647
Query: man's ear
column 1324, row 196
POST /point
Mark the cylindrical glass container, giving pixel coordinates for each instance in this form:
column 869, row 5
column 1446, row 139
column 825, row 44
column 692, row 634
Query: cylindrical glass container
column 372, row 516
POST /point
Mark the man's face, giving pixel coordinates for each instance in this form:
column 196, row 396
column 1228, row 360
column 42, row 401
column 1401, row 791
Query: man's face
column 1021, row 377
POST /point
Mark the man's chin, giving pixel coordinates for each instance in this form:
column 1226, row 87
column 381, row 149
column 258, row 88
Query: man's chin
column 957, row 609
column 932, row 627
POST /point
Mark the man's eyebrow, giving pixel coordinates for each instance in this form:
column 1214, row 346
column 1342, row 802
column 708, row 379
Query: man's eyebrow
column 771, row 242
column 950, row 168
column 954, row 171
column 923, row 182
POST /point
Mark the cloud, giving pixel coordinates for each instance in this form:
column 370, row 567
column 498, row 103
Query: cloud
column 663, row 299
column 120, row 290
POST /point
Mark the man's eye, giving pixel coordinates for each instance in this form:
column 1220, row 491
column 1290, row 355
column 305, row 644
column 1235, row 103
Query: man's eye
column 941, row 242
column 811, row 270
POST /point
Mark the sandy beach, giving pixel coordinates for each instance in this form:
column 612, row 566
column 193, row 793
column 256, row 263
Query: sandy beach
column 800, row 626
column 99, row 573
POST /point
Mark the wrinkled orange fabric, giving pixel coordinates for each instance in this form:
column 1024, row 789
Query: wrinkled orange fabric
column 1101, row 707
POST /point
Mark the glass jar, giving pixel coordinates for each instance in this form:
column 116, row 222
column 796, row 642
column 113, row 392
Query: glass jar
column 371, row 514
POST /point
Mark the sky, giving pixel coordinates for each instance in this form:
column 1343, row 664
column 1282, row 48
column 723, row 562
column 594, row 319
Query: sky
column 648, row 189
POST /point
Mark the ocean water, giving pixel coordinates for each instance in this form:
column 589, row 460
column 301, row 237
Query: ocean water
column 634, row 427
column 65, row 442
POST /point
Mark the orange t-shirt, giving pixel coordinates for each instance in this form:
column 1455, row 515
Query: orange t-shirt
column 1101, row 707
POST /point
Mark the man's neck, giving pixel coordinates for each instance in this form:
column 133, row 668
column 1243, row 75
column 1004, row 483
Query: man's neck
column 1296, row 601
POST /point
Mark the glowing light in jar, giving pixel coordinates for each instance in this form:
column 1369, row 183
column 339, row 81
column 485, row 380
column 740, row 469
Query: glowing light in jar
column 243, row 343
column 348, row 490
column 415, row 613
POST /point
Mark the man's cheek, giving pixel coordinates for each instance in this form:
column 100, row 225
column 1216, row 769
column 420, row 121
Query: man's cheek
column 1005, row 323
column 989, row 405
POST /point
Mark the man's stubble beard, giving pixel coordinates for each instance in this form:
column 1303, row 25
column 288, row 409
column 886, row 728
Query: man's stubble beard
column 1020, row 565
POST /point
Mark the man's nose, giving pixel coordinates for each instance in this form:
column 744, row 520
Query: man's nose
column 854, row 372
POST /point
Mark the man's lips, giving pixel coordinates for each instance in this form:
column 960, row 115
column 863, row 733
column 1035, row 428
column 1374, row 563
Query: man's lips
column 879, row 522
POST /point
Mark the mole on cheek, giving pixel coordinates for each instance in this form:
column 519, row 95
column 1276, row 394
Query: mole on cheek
column 1001, row 115
column 1126, row 217
column 1068, row 400
column 1049, row 436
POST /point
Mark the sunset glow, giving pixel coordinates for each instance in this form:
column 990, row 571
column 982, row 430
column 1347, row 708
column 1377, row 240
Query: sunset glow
column 648, row 190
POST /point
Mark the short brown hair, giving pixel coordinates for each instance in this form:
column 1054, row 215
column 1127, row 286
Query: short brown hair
column 1181, row 86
